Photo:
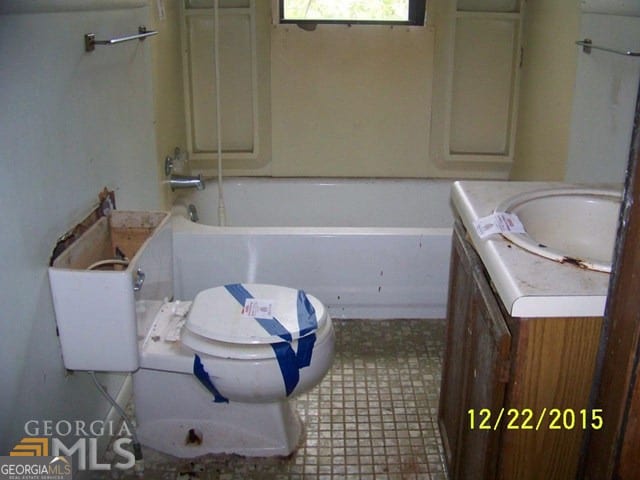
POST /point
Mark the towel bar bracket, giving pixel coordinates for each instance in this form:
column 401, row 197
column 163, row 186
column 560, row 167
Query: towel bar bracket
column 587, row 45
column 90, row 41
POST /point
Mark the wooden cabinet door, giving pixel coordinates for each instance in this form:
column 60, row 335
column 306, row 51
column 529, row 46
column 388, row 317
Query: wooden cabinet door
column 488, row 343
column 450, row 416
column 475, row 367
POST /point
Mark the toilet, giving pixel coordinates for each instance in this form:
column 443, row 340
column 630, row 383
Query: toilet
column 217, row 374
column 213, row 375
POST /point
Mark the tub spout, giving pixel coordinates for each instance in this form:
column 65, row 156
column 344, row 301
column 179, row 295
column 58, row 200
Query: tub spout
column 193, row 213
column 186, row 181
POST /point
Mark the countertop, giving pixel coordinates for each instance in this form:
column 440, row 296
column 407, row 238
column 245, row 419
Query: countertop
column 528, row 285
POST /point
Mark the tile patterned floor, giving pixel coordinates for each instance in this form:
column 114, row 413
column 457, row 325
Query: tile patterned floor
column 372, row 417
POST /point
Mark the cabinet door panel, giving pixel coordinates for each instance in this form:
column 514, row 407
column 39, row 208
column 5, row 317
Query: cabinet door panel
column 451, row 390
column 489, row 343
column 482, row 101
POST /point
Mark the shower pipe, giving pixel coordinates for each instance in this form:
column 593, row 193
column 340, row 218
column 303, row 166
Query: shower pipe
column 216, row 63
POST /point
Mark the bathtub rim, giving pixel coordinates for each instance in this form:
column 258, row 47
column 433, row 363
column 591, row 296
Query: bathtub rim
column 181, row 224
column 439, row 221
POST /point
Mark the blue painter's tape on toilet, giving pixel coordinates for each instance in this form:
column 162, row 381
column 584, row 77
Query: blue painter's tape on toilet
column 307, row 320
column 271, row 325
column 205, row 379
column 289, row 361
column 305, row 350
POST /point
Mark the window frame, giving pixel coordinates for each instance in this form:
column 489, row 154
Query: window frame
column 417, row 18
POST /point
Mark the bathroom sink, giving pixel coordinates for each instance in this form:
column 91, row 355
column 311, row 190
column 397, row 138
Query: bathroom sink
column 569, row 225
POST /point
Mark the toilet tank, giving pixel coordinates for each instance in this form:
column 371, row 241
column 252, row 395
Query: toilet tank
column 96, row 309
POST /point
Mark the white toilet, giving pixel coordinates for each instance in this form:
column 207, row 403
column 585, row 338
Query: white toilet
column 216, row 374
column 212, row 375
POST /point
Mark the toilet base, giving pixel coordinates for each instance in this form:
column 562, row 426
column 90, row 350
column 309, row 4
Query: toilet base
column 169, row 405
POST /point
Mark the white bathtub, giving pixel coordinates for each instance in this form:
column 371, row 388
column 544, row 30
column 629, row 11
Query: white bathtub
column 366, row 248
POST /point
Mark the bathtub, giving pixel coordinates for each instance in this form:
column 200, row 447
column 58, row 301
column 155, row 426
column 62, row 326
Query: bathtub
column 374, row 249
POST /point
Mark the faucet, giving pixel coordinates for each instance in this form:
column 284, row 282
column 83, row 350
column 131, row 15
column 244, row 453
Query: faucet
column 186, row 181
column 193, row 213
column 180, row 181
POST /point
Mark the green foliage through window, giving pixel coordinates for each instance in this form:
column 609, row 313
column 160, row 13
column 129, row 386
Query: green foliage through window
column 353, row 11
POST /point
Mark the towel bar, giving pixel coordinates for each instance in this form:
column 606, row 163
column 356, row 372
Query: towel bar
column 587, row 45
column 90, row 41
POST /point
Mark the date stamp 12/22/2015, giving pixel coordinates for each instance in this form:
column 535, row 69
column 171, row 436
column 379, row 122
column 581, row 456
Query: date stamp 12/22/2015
column 528, row 419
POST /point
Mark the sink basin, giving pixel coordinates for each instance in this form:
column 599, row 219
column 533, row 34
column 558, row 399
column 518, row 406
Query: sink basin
column 568, row 225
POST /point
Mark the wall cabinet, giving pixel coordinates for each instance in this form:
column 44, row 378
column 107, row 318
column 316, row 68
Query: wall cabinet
column 241, row 96
column 476, row 85
column 514, row 395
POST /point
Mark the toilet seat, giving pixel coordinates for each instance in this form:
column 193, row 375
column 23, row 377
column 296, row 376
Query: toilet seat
column 255, row 315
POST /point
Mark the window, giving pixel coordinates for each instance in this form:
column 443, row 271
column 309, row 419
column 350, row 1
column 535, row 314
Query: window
column 394, row 12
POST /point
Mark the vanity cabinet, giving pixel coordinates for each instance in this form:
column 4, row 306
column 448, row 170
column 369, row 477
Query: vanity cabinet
column 514, row 393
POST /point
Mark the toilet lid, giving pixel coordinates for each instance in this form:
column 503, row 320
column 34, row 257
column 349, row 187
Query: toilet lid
column 254, row 314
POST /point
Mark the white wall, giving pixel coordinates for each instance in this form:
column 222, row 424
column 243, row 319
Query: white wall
column 604, row 99
column 546, row 91
column 71, row 123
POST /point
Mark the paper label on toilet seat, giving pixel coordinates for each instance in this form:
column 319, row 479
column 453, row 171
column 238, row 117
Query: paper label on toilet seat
column 257, row 308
